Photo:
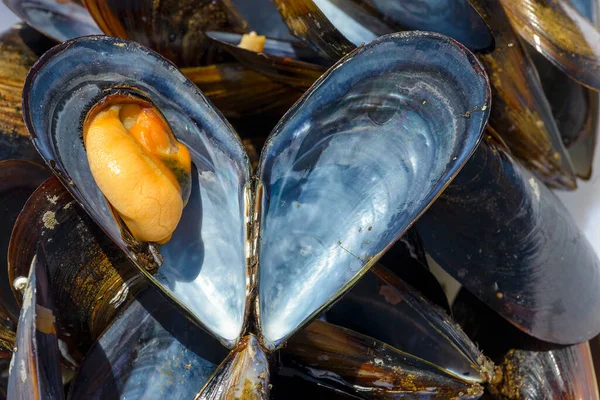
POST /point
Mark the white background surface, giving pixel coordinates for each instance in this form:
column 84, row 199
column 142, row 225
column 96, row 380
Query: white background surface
column 584, row 203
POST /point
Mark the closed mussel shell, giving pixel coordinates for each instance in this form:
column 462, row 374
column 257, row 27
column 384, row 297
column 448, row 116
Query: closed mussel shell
column 507, row 238
column 18, row 180
column 385, row 308
column 21, row 47
column 89, row 278
column 564, row 35
column 174, row 28
column 35, row 365
column 526, row 368
column 359, row 364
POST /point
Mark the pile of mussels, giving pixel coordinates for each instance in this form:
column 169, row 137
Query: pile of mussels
column 161, row 244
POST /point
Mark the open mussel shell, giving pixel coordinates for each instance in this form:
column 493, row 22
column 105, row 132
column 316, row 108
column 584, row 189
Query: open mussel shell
column 204, row 263
column 359, row 364
column 90, row 278
column 507, row 238
column 456, row 19
column 174, row 28
column 18, row 180
column 354, row 163
column 60, row 20
column 575, row 109
column 21, row 47
column 35, row 366
column 149, row 351
column 244, row 374
column 385, row 308
column 557, row 29
column 287, row 62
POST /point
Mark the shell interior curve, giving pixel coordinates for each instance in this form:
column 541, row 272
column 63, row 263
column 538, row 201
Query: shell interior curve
column 355, row 162
column 203, row 267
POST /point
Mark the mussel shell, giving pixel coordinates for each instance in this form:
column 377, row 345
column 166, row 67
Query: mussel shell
column 575, row 109
column 21, row 47
column 18, row 180
column 385, row 308
column 89, row 278
column 149, row 351
column 35, row 366
column 507, row 238
column 561, row 374
column 244, row 374
column 354, row 162
column 521, row 113
column 526, row 368
column 263, row 17
column 359, row 364
column 456, row 19
column 174, row 28
column 289, row 63
column 60, row 20
column 565, row 37
column 354, row 20
column 407, row 260
column 307, row 22
column 204, row 262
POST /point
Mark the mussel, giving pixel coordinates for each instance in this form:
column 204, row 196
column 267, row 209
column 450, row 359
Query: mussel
column 232, row 223
column 253, row 266
column 164, row 356
column 509, row 243
column 564, row 35
column 34, row 367
column 21, row 47
column 18, row 180
column 173, row 28
column 526, row 368
column 129, row 144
